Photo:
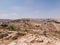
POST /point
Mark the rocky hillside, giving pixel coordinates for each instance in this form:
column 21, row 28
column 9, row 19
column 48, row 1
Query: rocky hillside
column 30, row 32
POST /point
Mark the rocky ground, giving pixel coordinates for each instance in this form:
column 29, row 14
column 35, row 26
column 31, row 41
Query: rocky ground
column 30, row 39
column 30, row 32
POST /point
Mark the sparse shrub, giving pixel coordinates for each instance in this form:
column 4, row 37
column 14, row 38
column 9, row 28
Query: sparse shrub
column 4, row 25
column 11, row 28
column 26, row 30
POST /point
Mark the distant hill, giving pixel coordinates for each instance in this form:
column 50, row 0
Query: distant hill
column 5, row 20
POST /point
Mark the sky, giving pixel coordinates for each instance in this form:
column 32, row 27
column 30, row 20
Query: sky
column 16, row 9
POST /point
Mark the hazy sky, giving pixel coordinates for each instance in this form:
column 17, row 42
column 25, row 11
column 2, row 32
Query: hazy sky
column 14, row 9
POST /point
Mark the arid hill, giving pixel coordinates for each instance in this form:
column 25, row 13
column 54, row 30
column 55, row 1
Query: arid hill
column 30, row 31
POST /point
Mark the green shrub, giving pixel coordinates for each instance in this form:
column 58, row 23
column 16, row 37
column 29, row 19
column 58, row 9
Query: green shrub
column 12, row 28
